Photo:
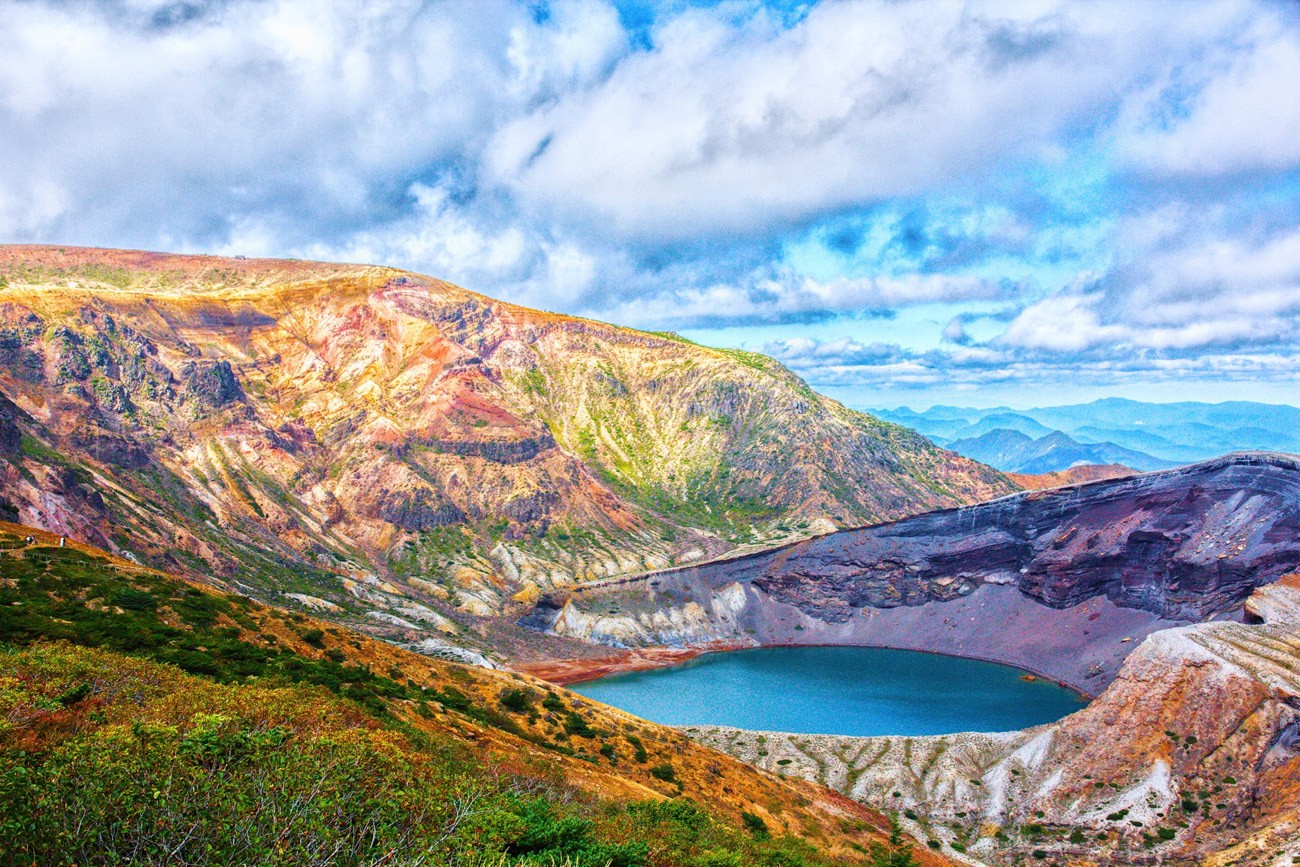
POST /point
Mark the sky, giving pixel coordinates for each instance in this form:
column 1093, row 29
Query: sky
column 908, row 203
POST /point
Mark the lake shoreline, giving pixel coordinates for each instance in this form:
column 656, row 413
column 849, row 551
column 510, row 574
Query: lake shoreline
column 837, row 689
column 565, row 672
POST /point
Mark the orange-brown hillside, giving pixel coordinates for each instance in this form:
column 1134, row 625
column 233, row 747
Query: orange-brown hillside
column 1073, row 476
column 79, row 594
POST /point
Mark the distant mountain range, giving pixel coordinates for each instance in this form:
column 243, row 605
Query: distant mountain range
column 1015, row 452
column 1144, row 436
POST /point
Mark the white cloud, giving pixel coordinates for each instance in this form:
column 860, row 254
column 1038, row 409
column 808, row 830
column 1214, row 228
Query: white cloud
column 542, row 158
column 302, row 115
column 1064, row 323
column 720, row 129
column 464, row 247
column 1243, row 116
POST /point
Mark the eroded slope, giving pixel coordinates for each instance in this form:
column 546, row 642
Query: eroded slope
column 396, row 450
column 1062, row 581
column 1191, row 755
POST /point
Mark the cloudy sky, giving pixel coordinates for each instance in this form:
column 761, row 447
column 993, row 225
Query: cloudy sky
column 907, row 202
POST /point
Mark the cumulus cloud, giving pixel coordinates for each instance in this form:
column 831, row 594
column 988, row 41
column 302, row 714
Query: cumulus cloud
column 723, row 128
column 172, row 122
column 1055, row 183
column 1238, row 112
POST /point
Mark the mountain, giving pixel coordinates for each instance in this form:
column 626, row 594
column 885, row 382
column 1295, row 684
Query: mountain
column 1116, row 558
column 1013, row 451
column 1171, row 596
column 1073, row 476
column 151, row 720
column 1002, row 421
column 1182, row 432
column 401, row 454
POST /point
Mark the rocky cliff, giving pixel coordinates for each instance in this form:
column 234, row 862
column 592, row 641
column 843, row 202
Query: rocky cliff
column 1062, row 581
column 401, row 453
column 1192, row 755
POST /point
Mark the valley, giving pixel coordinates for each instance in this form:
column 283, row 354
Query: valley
column 367, row 494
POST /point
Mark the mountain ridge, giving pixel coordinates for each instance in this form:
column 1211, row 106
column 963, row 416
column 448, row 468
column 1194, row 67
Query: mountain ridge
column 404, row 454
column 1176, row 432
column 1013, row 451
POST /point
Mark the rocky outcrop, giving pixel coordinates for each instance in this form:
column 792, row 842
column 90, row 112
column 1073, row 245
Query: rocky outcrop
column 1075, row 569
column 212, row 384
column 1185, row 544
column 416, row 510
column 1192, row 755
column 498, row 451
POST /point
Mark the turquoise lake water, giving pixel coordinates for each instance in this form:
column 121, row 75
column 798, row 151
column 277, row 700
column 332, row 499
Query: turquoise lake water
column 837, row 690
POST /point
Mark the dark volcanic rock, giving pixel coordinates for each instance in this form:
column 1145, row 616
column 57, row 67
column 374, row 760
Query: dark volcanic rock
column 213, row 384
column 11, row 436
column 119, row 451
column 531, row 507
column 417, row 510
column 498, row 452
column 1184, row 544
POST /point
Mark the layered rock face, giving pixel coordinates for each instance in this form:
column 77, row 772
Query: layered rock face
column 1192, row 755
column 1052, row 580
column 384, row 442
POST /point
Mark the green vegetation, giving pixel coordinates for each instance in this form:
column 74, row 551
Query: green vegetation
column 106, row 760
column 639, row 752
column 897, row 852
column 517, row 700
column 664, row 772
column 574, row 724
column 65, row 594
column 754, row 824
column 144, row 721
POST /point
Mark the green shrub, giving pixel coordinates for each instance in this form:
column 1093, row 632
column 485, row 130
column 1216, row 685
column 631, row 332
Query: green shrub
column 664, row 772
column 754, row 824
column 639, row 753
column 134, row 600
column 575, row 724
column 517, row 700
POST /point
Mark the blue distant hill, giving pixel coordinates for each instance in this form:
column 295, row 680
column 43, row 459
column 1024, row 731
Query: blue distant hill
column 1140, row 435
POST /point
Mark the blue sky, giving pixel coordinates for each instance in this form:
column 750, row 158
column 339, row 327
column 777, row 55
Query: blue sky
column 907, row 202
